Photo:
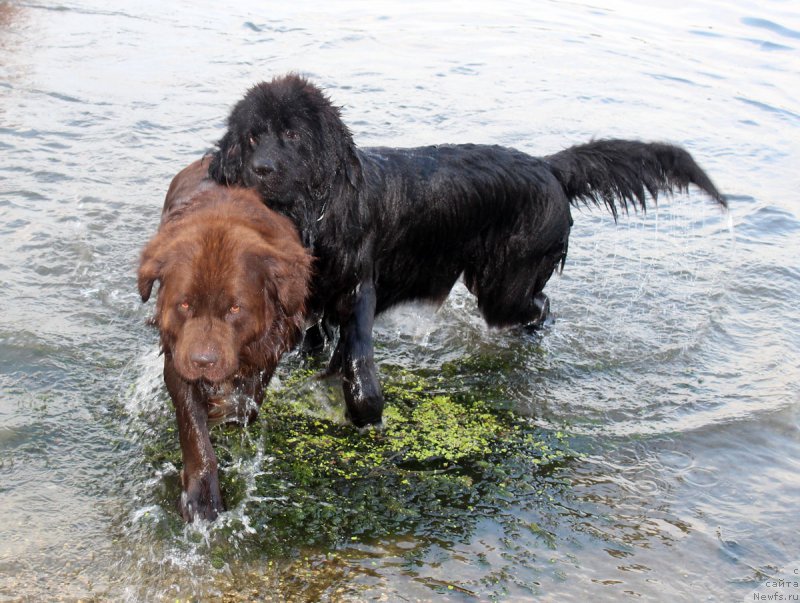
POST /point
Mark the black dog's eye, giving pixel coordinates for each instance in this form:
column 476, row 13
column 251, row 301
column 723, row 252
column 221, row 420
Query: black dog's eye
column 291, row 134
column 252, row 141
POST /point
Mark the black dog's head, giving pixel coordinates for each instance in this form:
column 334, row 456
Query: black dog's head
column 286, row 139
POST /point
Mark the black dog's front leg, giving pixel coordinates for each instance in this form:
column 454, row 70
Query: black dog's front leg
column 354, row 357
column 201, row 496
column 314, row 340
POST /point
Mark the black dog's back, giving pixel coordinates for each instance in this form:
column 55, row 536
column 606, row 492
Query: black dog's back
column 497, row 215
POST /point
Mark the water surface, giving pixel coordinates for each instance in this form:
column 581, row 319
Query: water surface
column 673, row 362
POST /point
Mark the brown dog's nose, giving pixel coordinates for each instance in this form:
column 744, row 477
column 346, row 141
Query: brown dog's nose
column 204, row 360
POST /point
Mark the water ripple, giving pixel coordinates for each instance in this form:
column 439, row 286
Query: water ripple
column 764, row 106
column 671, row 361
column 771, row 26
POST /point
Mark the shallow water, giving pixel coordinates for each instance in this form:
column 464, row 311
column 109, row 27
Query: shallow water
column 673, row 362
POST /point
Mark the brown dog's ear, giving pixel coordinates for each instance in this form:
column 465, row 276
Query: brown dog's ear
column 288, row 277
column 149, row 272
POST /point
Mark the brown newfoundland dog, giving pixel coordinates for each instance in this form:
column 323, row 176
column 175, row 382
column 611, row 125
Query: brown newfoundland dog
column 389, row 225
column 233, row 282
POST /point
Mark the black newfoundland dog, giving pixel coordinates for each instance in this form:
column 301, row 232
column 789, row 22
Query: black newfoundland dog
column 389, row 225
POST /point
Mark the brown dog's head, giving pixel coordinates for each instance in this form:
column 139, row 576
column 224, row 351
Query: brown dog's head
column 233, row 280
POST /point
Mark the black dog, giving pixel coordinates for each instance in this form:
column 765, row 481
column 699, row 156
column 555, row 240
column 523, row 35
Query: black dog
column 389, row 225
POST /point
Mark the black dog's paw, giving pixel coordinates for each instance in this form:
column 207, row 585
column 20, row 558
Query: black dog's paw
column 201, row 498
column 541, row 317
column 379, row 427
column 362, row 392
column 314, row 340
column 366, row 414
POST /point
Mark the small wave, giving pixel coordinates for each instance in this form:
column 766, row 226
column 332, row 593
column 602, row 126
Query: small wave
column 678, row 80
column 783, row 113
column 765, row 224
column 144, row 393
column 771, row 26
column 62, row 97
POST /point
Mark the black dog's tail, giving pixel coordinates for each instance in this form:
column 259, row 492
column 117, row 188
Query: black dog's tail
column 617, row 173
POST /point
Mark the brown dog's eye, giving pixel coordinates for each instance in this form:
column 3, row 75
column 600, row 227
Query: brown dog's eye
column 184, row 305
column 234, row 309
column 291, row 134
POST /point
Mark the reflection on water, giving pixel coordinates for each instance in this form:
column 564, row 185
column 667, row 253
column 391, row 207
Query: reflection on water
column 671, row 365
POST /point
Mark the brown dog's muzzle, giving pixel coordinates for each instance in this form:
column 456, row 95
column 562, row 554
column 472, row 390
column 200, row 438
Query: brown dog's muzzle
column 204, row 359
column 206, row 351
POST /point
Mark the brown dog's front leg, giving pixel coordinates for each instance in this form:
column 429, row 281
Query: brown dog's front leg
column 201, row 497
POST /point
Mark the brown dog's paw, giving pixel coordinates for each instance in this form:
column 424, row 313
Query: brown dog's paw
column 232, row 408
column 201, row 498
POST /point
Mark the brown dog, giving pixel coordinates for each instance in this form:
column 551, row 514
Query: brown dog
column 233, row 282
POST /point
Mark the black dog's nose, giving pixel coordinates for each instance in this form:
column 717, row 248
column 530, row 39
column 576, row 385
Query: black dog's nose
column 263, row 166
column 204, row 360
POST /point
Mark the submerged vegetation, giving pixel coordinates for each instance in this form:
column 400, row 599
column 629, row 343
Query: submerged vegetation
column 298, row 478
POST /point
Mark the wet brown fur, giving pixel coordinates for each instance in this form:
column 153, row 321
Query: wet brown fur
column 233, row 280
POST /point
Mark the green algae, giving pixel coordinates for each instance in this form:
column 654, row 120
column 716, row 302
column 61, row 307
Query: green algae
column 442, row 455
column 300, row 477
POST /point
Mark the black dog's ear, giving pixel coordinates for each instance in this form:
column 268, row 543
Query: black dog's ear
column 352, row 167
column 339, row 141
column 227, row 162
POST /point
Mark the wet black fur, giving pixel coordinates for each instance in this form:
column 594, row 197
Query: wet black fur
column 389, row 225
